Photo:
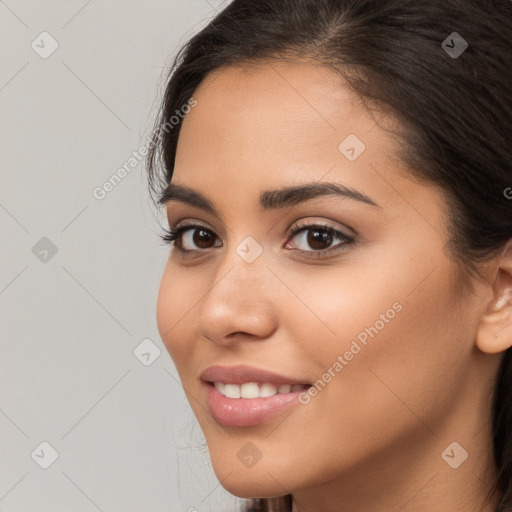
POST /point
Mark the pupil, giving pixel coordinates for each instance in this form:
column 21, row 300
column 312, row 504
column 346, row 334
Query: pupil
column 198, row 240
column 320, row 236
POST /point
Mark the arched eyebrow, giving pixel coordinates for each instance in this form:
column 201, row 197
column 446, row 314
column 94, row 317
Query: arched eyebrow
column 269, row 199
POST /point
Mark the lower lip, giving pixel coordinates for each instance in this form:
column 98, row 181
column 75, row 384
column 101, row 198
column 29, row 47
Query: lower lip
column 244, row 412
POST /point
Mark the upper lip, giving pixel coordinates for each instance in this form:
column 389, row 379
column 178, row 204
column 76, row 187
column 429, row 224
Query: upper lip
column 241, row 374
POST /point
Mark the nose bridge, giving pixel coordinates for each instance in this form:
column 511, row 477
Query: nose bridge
column 239, row 298
column 243, row 266
column 244, row 259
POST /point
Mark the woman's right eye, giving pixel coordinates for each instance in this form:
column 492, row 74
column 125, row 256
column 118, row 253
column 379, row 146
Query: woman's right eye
column 194, row 236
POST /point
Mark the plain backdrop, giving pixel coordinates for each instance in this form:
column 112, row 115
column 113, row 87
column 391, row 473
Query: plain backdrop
column 92, row 415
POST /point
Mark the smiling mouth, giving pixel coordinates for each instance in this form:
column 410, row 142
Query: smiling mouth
column 256, row 389
column 245, row 396
column 250, row 403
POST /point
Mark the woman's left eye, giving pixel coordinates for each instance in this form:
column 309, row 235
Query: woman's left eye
column 316, row 236
column 320, row 238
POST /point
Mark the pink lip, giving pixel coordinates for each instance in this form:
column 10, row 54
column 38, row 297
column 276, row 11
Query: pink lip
column 244, row 412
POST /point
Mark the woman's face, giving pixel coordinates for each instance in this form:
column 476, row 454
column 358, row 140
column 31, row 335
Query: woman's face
column 377, row 323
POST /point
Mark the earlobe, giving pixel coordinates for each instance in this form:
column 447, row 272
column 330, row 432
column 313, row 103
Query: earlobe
column 494, row 334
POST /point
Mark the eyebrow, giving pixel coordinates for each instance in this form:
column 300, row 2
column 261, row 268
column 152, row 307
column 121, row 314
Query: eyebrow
column 269, row 199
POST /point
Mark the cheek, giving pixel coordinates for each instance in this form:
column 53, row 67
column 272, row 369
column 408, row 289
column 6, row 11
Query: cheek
column 174, row 312
column 335, row 307
column 391, row 298
column 380, row 343
column 398, row 311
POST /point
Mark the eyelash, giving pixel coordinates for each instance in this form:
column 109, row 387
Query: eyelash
column 171, row 235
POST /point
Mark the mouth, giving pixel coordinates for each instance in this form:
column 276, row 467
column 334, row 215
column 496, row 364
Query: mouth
column 244, row 396
column 251, row 390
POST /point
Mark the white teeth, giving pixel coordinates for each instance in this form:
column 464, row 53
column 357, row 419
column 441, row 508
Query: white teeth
column 232, row 390
column 254, row 390
column 249, row 390
column 267, row 390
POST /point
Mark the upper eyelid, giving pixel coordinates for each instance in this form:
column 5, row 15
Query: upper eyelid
column 191, row 224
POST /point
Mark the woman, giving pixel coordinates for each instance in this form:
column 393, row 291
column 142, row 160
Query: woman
column 338, row 297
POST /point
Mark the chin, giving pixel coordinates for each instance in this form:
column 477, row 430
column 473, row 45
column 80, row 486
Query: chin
column 252, row 490
column 249, row 483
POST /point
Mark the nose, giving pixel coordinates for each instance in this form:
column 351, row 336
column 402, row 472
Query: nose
column 239, row 303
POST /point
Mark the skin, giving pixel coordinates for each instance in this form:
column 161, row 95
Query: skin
column 372, row 439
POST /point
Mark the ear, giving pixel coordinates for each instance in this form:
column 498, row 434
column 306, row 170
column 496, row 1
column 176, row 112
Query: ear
column 494, row 333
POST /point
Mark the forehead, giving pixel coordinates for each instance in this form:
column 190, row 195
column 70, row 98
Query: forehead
column 277, row 105
column 261, row 126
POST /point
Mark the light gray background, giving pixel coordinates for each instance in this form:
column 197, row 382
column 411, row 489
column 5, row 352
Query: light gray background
column 124, row 432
